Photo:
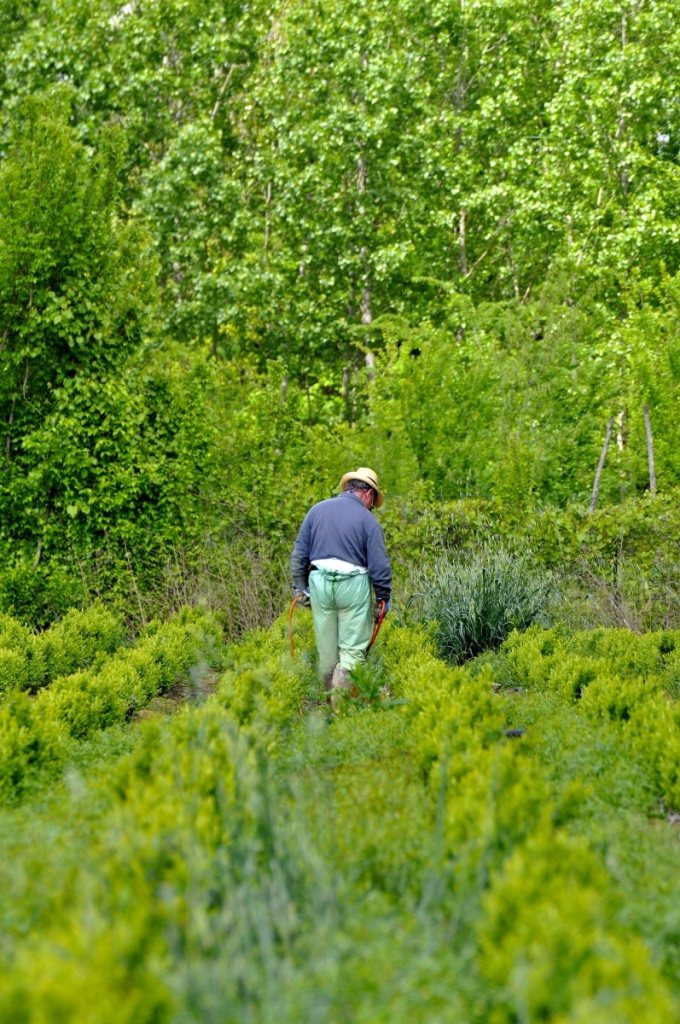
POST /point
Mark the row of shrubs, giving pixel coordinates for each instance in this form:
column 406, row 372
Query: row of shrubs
column 612, row 676
column 37, row 729
column 184, row 836
column 30, row 660
column 549, row 938
column 213, row 892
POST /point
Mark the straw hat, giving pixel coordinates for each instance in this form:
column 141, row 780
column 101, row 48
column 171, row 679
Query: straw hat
column 368, row 477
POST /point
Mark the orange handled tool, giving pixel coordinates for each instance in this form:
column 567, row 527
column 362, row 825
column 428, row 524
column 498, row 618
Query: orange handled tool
column 290, row 624
column 377, row 625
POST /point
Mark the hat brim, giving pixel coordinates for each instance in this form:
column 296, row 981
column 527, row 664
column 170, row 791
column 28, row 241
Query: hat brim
column 379, row 496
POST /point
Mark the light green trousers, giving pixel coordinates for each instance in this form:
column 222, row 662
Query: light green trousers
column 342, row 610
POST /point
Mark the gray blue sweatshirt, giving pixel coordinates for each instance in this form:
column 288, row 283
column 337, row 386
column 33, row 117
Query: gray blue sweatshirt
column 343, row 528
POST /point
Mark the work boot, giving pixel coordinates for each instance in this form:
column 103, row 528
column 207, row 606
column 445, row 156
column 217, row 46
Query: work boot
column 328, row 681
column 341, row 679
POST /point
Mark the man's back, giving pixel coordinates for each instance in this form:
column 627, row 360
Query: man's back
column 343, row 528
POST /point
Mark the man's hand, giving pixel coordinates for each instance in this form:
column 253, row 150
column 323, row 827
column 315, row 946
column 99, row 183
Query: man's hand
column 301, row 594
column 377, row 609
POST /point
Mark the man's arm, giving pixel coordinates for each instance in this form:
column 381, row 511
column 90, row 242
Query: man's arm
column 379, row 568
column 299, row 560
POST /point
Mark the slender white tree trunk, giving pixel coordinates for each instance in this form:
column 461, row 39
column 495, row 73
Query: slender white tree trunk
column 461, row 240
column 650, row 451
column 366, row 311
column 600, row 465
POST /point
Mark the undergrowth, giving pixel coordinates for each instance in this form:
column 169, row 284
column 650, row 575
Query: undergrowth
column 261, row 858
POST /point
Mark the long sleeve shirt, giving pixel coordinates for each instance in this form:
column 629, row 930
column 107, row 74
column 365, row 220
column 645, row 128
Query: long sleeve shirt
column 343, row 528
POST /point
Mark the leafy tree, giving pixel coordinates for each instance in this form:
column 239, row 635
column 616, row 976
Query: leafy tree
column 306, row 169
column 74, row 295
column 166, row 72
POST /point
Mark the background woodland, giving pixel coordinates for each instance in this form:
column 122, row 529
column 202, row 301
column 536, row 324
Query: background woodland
column 243, row 247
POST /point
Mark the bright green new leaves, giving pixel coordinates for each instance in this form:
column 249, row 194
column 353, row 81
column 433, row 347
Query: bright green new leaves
column 71, row 292
column 386, row 863
column 74, row 293
column 617, row 677
column 36, row 734
column 166, row 74
column 29, row 661
column 452, row 226
column 548, row 939
column 306, row 169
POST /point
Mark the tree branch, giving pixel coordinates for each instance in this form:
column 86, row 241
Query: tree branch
column 222, row 91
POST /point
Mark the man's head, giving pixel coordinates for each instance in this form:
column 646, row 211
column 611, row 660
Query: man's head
column 364, row 493
column 364, row 483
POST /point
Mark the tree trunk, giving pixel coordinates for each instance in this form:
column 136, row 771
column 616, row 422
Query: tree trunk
column 361, row 175
column 622, row 429
column 267, row 220
column 600, row 465
column 8, row 447
column 345, row 383
column 650, row 451
column 461, row 240
column 367, row 314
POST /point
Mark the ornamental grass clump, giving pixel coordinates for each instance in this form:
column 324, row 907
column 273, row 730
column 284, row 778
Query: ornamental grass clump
column 477, row 600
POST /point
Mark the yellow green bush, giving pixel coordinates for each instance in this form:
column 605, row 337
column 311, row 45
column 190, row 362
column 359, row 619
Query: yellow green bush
column 387, row 862
column 550, row 938
column 29, row 660
column 38, row 730
column 613, row 676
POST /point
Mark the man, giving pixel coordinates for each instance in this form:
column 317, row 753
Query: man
column 339, row 552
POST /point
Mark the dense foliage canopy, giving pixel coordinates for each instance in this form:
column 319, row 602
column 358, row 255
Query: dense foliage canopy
column 244, row 244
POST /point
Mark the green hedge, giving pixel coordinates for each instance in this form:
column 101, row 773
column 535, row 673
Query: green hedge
column 31, row 660
column 36, row 733
column 401, row 861
column 615, row 677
